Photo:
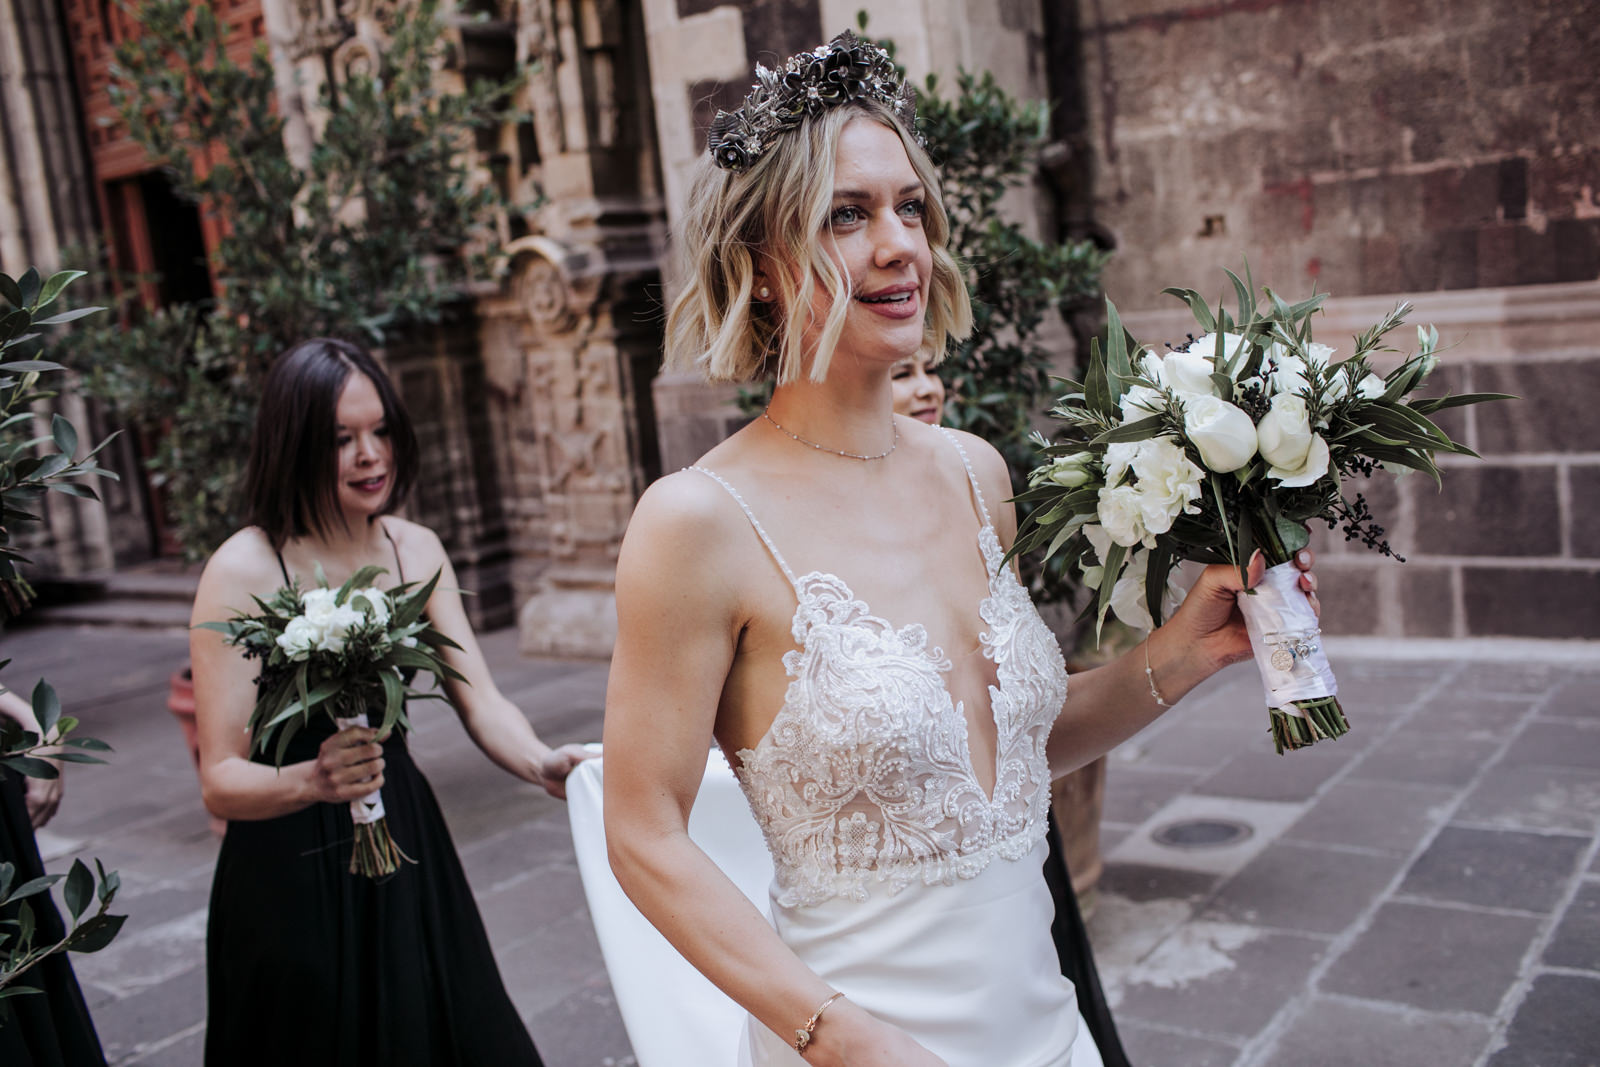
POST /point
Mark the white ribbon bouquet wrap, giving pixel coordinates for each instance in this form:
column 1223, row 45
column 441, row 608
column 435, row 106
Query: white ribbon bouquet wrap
column 368, row 809
column 1229, row 445
column 1287, row 646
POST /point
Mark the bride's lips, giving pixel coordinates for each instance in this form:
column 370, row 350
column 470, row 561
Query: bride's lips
column 901, row 301
column 927, row 415
column 370, row 485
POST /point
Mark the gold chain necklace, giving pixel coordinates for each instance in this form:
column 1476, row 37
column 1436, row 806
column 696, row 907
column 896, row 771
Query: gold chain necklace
column 765, row 414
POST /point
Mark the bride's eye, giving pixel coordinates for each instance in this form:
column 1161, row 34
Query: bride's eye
column 847, row 215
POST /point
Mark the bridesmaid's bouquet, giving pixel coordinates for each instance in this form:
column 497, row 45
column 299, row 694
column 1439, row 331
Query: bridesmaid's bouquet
column 1231, row 443
column 340, row 652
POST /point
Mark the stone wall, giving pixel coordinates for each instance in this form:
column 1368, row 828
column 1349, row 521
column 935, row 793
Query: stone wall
column 1510, row 545
column 1445, row 150
column 1407, row 145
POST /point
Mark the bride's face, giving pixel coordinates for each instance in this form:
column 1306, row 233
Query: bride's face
column 875, row 238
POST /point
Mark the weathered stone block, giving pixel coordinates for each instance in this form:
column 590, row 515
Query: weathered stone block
column 1329, row 1032
column 1349, row 592
column 1485, row 510
column 1584, row 518
column 1528, row 602
column 1576, row 941
column 1495, row 868
column 1555, row 1026
column 1300, row 887
column 1437, row 958
column 1427, row 601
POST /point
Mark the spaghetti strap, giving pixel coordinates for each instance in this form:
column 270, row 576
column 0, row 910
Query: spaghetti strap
column 399, row 567
column 977, row 493
column 287, row 581
column 760, row 532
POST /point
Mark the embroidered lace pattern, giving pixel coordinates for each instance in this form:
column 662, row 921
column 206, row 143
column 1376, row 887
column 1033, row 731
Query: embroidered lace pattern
column 865, row 775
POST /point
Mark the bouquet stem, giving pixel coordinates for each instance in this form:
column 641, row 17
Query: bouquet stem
column 375, row 854
column 1301, row 703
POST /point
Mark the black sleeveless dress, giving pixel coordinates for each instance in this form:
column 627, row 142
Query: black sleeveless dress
column 50, row 1028
column 309, row 965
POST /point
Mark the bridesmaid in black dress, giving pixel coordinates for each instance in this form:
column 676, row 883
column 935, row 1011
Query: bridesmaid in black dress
column 308, row 964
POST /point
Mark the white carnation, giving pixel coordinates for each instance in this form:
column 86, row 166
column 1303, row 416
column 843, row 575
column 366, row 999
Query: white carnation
column 340, row 621
column 1168, row 482
column 299, row 637
column 1122, row 514
column 317, row 604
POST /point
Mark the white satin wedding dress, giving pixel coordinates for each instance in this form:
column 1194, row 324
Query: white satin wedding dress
column 897, row 879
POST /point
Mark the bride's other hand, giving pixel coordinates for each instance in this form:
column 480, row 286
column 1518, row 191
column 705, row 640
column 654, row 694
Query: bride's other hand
column 856, row 1038
column 1209, row 626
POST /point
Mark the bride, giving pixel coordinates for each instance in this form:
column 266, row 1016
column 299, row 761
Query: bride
column 823, row 595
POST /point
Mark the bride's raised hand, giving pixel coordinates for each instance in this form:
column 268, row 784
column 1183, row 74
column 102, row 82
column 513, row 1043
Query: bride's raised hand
column 1209, row 625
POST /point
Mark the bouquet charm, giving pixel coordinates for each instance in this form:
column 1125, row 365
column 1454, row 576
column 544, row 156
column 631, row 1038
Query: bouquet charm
column 341, row 652
column 1224, row 447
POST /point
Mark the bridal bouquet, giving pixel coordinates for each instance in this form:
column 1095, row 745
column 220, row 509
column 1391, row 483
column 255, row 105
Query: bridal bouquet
column 1229, row 444
column 340, row 651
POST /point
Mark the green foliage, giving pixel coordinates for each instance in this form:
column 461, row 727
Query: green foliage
column 363, row 241
column 30, row 466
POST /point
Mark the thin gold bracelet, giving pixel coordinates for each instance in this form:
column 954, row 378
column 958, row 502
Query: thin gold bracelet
column 1150, row 676
column 802, row 1037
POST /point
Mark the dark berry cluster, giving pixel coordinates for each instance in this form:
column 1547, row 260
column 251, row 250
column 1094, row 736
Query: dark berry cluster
column 1354, row 517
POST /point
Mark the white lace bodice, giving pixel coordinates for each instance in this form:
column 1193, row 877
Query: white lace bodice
column 865, row 775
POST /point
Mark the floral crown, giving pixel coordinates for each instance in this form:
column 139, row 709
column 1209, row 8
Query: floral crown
column 845, row 69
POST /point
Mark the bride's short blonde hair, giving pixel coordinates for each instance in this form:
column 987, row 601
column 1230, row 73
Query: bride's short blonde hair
column 774, row 214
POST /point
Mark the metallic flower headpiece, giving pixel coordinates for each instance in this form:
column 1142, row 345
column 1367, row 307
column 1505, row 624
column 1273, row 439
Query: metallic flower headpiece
column 845, row 69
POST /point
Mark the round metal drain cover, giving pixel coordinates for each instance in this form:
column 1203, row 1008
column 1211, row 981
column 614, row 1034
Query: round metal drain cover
column 1202, row 833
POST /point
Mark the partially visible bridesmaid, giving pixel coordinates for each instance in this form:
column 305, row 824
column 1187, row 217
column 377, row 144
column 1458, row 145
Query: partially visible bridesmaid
column 918, row 389
column 50, row 1027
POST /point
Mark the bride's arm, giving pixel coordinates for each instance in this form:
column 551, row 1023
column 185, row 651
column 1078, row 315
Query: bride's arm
column 679, row 618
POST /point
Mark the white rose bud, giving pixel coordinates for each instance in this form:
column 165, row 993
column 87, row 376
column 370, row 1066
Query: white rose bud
column 1069, row 472
column 1284, row 432
column 1223, row 433
column 1311, row 468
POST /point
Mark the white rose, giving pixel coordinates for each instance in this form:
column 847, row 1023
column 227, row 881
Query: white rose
column 1314, row 466
column 1140, row 402
column 1189, row 373
column 1206, row 345
column 377, row 602
column 1288, row 375
column 1371, row 387
column 1284, row 432
column 1223, row 433
column 1122, row 516
column 1168, row 482
column 1319, row 355
column 299, row 637
column 316, row 604
column 341, row 620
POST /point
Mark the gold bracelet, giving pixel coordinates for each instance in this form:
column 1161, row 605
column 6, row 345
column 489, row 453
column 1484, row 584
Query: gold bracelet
column 1150, row 676
column 802, row 1037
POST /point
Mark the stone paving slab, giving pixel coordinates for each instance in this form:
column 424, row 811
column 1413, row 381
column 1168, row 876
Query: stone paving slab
column 1446, row 853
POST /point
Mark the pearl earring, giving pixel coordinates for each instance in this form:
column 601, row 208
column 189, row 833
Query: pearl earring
column 764, row 293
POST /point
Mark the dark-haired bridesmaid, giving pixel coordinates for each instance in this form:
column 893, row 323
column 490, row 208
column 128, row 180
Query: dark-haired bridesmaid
column 306, row 962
